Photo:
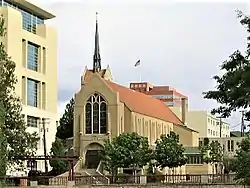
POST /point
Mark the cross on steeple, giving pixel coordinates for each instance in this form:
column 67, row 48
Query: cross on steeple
column 97, row 57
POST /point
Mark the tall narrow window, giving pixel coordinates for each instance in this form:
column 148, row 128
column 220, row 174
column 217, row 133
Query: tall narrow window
column 228, row 145
column 32, row 92
column 88, row 117
column 32, row 57
column 232, row 145
column 96, row 115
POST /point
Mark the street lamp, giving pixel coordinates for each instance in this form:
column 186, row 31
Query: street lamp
column 44, row 121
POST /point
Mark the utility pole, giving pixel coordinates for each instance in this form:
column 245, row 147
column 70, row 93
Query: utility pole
column 220, row 125
column 242, row 132
column 44, row 145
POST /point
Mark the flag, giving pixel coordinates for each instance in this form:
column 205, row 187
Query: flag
column 138, row 63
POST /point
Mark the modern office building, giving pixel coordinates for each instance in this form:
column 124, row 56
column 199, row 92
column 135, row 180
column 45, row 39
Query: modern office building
column 167, row 94
column 229, row 144
column 204, row 122
column 32, row 45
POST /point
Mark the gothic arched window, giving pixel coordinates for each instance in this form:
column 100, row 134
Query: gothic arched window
column 96, row 113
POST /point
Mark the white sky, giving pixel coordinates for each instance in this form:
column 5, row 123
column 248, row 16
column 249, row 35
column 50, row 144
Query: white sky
column 180, row 43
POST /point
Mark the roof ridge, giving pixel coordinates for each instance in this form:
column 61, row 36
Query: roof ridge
column 156, row 108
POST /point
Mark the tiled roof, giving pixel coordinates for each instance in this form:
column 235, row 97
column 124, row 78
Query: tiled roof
column 144, row 104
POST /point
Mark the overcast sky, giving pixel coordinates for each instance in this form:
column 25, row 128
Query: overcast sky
column 179, row 44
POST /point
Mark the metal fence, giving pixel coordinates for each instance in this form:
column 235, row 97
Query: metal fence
column 121, row 179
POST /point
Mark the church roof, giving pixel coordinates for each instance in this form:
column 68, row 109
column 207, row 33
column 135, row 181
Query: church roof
column 89, row 73
column 144, row 104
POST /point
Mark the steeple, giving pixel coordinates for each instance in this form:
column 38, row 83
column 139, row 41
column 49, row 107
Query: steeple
column 97, row 57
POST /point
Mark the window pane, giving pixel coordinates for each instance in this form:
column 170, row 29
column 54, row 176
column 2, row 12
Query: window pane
column 32, row 57
column 32, row 121
column 95, row 118
column 32, row 92
column 103, row 118
column 88, row 118
column 29, row 20
column 96, row 115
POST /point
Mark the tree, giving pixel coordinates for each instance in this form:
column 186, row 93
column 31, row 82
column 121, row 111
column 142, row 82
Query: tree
column 169, row 152
column 128, row 150
column 212, row 154
column 65, row 129
column 3, row 142
column 18, row 140
column 3, row 154
column 232, row 90
column 111, row 157
column 58, row 150
column 242, row 161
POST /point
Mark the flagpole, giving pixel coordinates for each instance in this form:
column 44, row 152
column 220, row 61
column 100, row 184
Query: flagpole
column 140, row 73
column 136, row 65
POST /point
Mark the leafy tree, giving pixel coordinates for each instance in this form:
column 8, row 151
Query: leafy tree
column 3, row 143
column 212, row 154
column 65, row 130
column 18, row 140
column 3, row 154
column 228, row 163
column 232, row 90
column 242, row 162
column 128, row 150
column 58, row 150
column 169, row 152
column 111, row 157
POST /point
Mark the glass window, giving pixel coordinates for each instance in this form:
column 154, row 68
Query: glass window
column 32, row 57
column 96, row 115
column 200, row 143
column 29, row 20
column 32, row 121
column 232, row 145
column 228, row 145
column 169, row 103
column 32, row 91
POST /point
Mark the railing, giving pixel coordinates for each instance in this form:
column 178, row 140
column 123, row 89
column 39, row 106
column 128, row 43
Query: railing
column 123, row 179
column 103, row 179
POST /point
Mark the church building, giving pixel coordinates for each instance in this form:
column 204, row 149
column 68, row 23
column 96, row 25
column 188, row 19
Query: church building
column 104, row 109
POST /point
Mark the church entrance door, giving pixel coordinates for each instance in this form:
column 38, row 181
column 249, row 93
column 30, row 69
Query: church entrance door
column 93, row 159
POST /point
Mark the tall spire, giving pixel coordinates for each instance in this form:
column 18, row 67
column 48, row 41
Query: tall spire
column 97, row 57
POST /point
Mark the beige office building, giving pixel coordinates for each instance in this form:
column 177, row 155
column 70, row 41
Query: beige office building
column 204, row 122
column 32, row 45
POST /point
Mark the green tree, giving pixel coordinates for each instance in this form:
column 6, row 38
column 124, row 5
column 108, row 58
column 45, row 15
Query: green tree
column 242, row 161
column 3, row 154
column 19, row 141
column 65, row 129
column 3, row 142
column 58, row 150
column 169, row 152
column 232, row 90
column 128, row 150
column 212, row 154
column 111, row 157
